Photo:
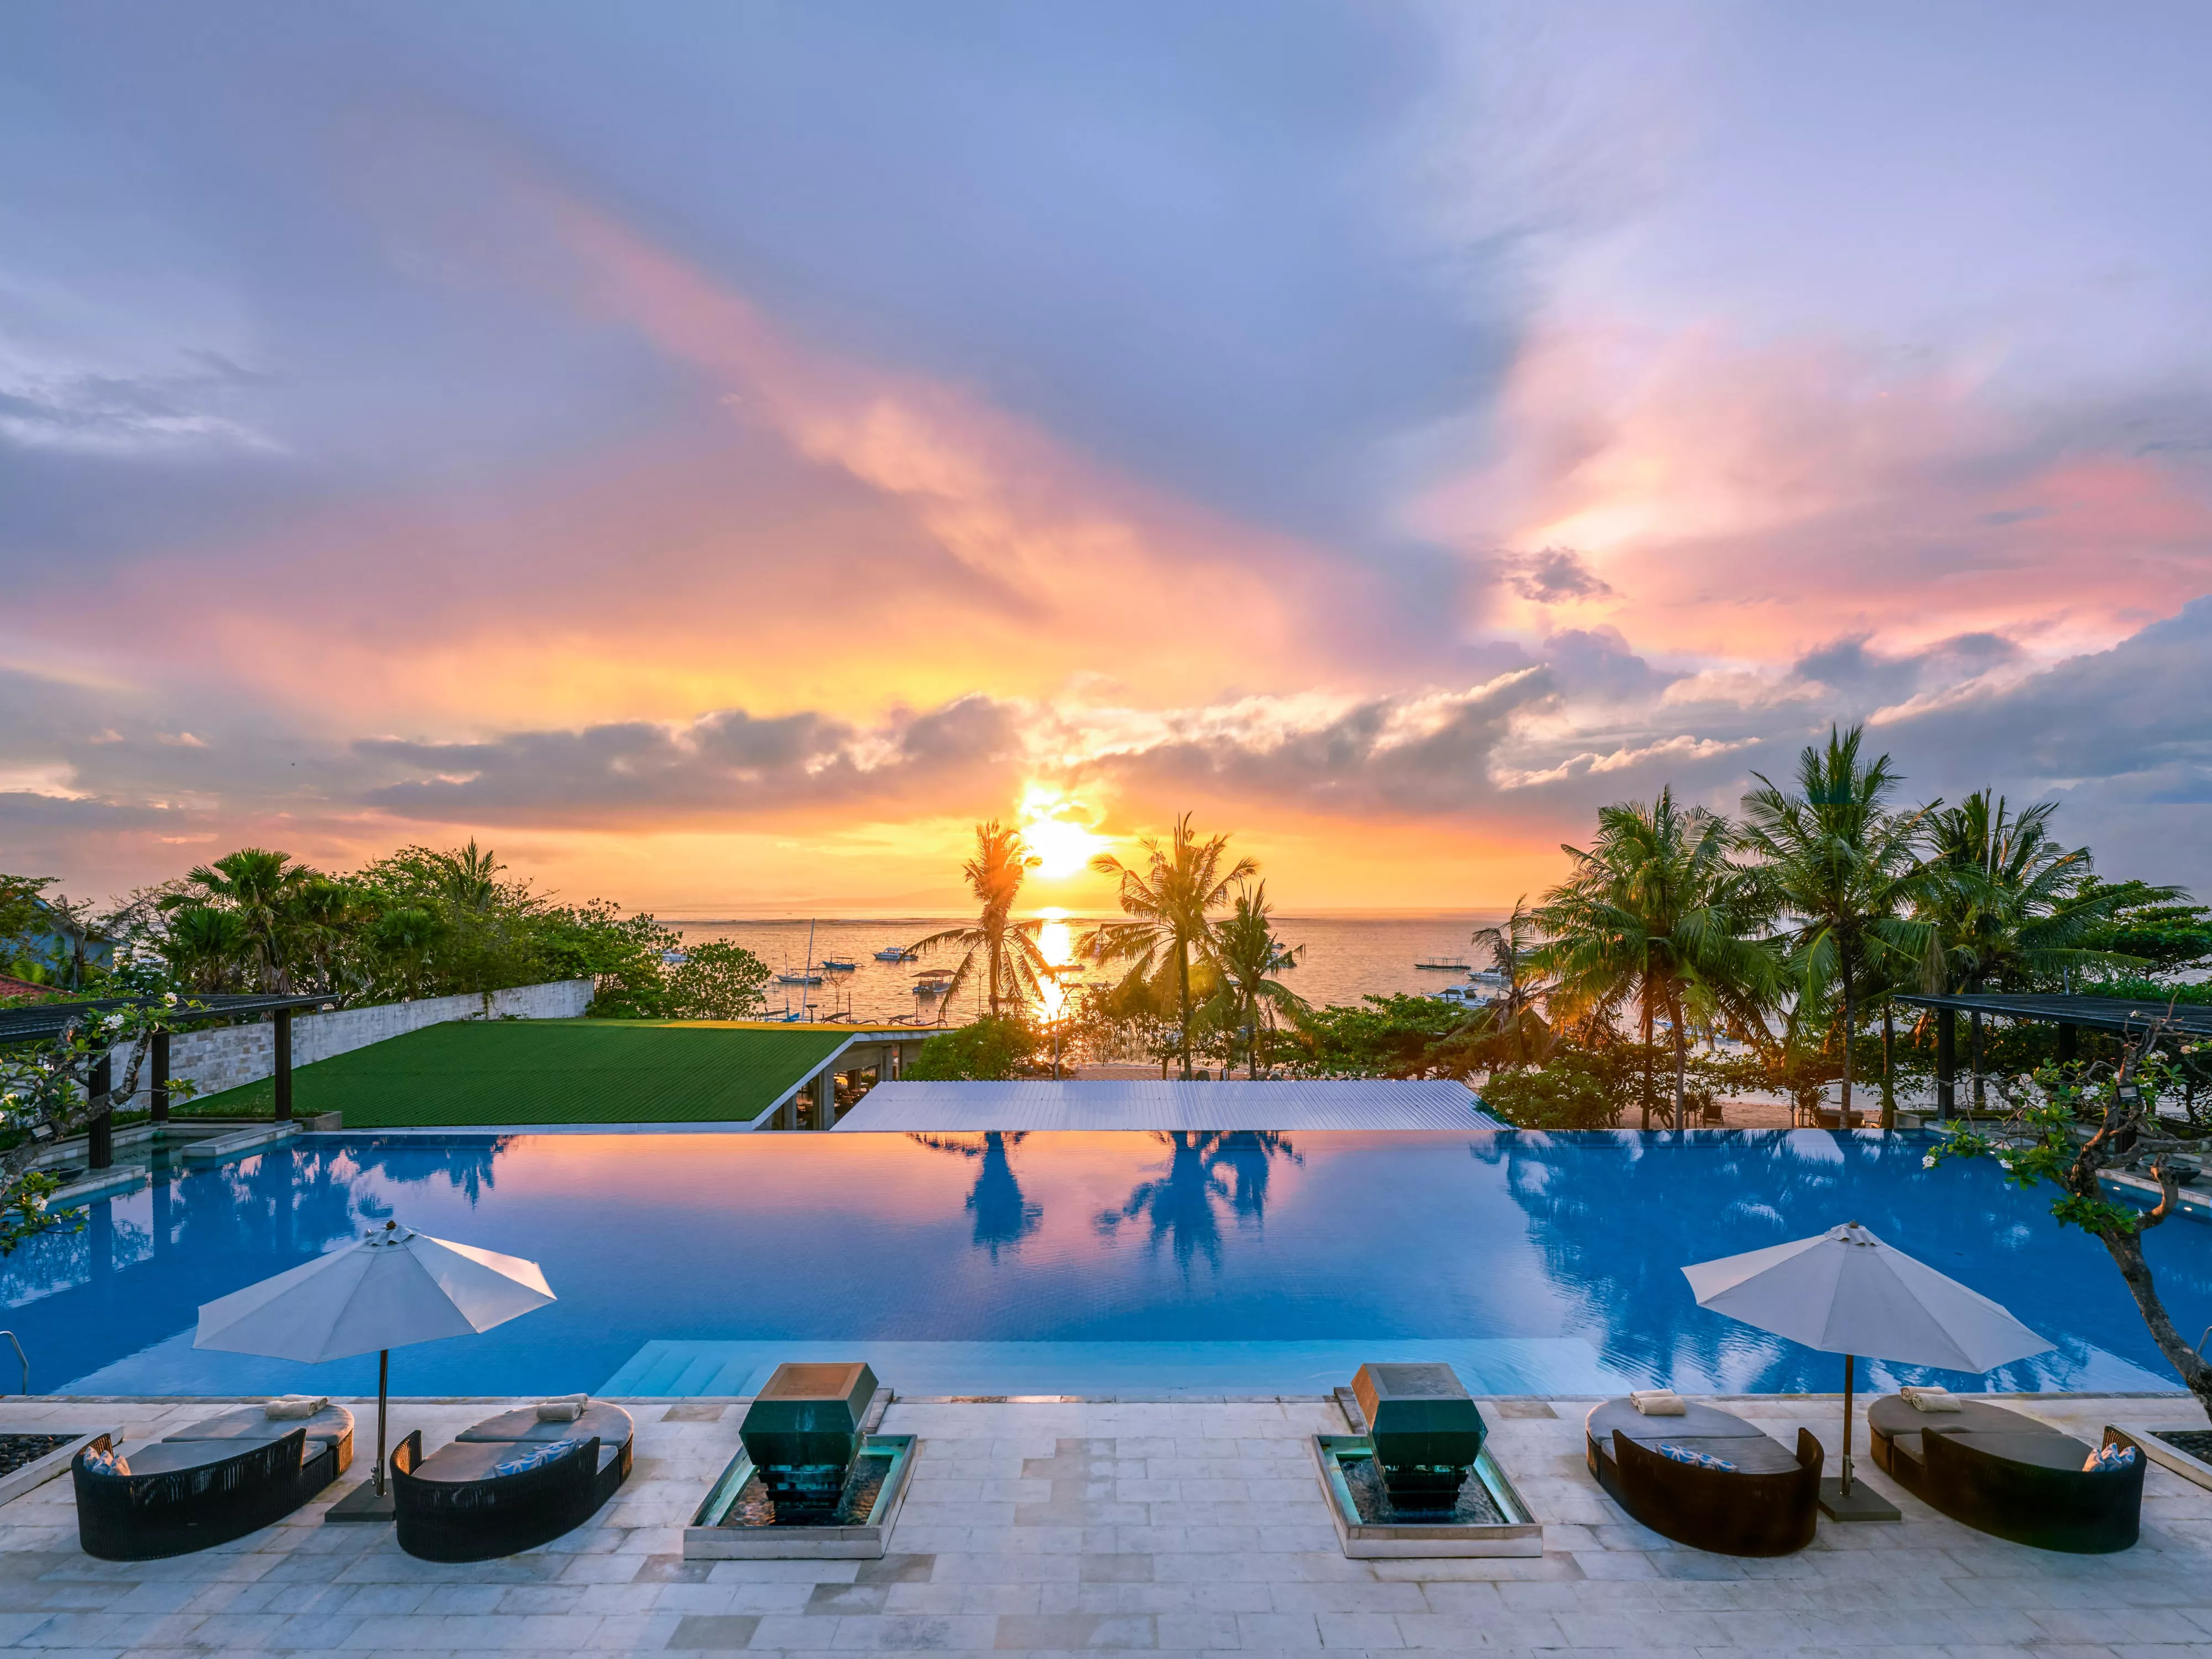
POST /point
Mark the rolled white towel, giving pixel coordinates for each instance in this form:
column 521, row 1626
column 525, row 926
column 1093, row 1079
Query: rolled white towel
column 289, row 1408
column 1658, row 1403
column 566, row 1409
column 1928, row 1397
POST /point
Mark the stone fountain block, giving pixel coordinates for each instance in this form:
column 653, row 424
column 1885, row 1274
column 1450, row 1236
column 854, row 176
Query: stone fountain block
column 1425, row 1430
column 804, row 1432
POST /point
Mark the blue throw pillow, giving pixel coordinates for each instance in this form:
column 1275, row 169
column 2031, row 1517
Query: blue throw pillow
column 2110, row 1459
column 531, row 1455
column 105, row 1462
column 1698, row 1459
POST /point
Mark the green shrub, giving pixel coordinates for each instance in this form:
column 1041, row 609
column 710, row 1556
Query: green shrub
column 1578, row 1089
column 990, row 1051
column 716, row 981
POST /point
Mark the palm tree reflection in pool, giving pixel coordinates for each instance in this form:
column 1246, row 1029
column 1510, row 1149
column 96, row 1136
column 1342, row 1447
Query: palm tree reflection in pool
column 1003, row 1216
column 1205, row 1168
column 1617, row 1216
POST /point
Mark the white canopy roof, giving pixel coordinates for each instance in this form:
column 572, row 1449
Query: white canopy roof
column 1149, row 1103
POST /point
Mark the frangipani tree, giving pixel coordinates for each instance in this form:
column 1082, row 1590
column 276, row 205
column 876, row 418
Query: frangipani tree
column 47, row 1093
column 2040, row 1143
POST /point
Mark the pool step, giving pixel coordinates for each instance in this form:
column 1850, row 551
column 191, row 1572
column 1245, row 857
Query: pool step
column 107, row 1183
column 224, row 1148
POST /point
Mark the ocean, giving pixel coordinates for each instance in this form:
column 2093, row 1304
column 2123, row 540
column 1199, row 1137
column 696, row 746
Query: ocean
column 1344, row 957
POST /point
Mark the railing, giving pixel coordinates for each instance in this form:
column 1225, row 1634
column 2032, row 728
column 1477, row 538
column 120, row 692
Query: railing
column 22, row 1357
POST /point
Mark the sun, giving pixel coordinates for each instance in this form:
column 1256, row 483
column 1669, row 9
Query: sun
column 1063, row 847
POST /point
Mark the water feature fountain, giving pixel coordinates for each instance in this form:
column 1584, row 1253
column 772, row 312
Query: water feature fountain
column 1420, row 1480
column 811, row 1482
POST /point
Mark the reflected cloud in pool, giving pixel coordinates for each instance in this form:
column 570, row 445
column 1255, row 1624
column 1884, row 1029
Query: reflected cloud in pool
column 1156, row 1250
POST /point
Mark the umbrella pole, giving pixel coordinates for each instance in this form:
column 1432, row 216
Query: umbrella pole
column 1848, row 1364
column 384, row 1379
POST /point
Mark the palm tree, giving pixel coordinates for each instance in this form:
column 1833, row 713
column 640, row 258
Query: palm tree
column 1840, row 866
column 1656, row 913
column 1512, row 944
column 259, row 888
column 2006, row 905
column 1169, row 902
column 1247, row 955
column 466, row 879
column 1003, row 950
column 204, row 945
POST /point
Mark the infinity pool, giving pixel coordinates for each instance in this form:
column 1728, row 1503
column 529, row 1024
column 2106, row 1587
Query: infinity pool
column 1093, row 1264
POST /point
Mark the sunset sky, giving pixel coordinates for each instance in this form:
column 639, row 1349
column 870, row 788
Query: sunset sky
column 715, row 453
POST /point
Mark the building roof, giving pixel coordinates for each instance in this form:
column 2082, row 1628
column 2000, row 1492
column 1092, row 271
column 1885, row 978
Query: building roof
column 2126, row 1014
column 1364, row 1104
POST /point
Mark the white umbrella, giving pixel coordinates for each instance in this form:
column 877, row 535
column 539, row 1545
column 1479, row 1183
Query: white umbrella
column 1847, row 1293
column 389, row 1289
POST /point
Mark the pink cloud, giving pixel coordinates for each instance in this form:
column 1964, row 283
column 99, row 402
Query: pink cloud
column 1750, row 499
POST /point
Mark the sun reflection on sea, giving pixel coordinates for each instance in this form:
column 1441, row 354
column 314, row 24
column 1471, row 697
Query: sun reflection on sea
column 1056, row 943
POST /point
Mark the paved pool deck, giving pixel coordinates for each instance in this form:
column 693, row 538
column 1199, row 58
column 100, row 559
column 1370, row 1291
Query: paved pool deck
column 1064, row 1527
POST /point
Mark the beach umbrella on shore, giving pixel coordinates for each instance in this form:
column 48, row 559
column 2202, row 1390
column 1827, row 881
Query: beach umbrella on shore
column 1847, row 1293
column 390, row 1289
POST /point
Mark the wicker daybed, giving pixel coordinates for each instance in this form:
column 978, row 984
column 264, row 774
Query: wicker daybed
column 208, row 1483
column 2007, row 1474
column 1765, row 1505
column 454, row 1506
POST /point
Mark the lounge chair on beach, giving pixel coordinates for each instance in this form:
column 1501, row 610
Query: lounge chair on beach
column 211, row 1482
column 2007, row 1474
column 510, row 1483
column 1705, row 1478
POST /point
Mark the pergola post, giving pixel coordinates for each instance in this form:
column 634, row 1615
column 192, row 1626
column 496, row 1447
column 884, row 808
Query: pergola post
column 158, row 1089
column 2070, row 1042
column 100, row 1128
column 1946, row 1063
column 283, row 1065
column 825, row 1099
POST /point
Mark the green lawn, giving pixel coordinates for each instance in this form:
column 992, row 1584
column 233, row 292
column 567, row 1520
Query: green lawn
column 548, row 1071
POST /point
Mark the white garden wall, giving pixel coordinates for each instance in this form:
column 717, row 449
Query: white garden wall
column 224, row 1056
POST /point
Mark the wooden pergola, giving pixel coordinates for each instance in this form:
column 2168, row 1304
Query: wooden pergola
column 45, row 1021
column 2123, row 1016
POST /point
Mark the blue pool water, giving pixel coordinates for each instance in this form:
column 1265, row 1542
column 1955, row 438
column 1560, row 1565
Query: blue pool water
column 1092, row 1264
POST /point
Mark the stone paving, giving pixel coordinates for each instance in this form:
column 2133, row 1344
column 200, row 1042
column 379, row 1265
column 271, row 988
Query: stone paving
column 1185, row 1528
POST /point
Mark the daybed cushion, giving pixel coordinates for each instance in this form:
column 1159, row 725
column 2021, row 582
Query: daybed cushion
column 464, row 1462
column 1898, row 1421
column 172, row 1456
column 249, row 1425
column 611, row 1423
column 1700, row 1428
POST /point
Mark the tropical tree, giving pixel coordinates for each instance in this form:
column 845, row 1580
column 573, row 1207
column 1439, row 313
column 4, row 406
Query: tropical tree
column 262, row 889
column 1248, row 999
column 1840, row 869
column 1511, row 1018
column 2007, row 907
column 1657, row 915
column 717, row 979
column 1005, row 952
column 1169, row 902
column 205, row 948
